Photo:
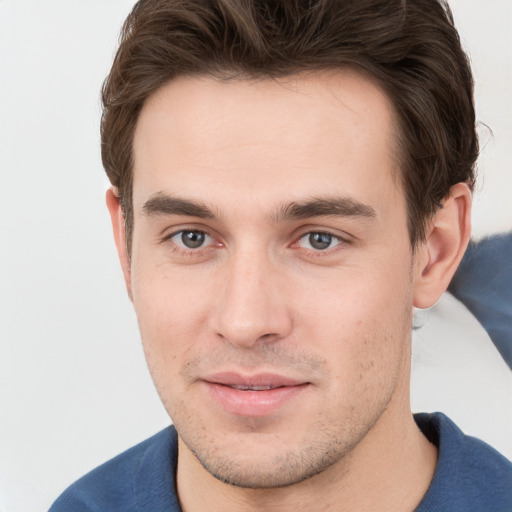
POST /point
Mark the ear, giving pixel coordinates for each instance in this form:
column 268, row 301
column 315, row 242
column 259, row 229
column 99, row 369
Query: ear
column 117, row 218
column 439, row 256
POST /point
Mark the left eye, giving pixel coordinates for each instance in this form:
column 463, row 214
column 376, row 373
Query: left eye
column 190, row 239
column 318, row 241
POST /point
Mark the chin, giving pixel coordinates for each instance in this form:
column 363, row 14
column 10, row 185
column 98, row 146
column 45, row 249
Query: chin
column 267, row 464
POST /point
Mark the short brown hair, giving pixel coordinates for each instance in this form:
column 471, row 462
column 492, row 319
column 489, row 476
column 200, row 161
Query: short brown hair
column 410, row 47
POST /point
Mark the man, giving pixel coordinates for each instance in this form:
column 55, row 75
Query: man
column 288, row 180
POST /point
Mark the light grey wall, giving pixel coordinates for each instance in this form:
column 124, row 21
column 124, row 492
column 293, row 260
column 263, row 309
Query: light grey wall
column 74, row 389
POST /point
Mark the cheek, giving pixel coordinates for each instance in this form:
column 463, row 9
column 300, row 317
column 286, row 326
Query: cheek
column 167, row 301
column 362, row 321
column 170, row 314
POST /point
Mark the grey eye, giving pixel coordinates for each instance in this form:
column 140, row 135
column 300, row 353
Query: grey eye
column 319, row 241
column 190, row 239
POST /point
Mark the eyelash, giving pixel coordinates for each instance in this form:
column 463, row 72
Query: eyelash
column 341, row 241
column 186, row 251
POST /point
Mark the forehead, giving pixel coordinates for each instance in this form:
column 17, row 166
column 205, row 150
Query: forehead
column 301, row 133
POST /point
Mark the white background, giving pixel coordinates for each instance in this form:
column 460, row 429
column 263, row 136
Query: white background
column 74, row 389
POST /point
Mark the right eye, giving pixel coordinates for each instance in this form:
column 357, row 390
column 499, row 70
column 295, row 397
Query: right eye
column 191, row 239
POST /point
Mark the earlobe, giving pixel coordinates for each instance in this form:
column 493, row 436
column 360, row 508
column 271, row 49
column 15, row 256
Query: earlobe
column 118, row 226
column 447, row 237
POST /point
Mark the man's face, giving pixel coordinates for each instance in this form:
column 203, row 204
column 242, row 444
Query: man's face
column 271, row 271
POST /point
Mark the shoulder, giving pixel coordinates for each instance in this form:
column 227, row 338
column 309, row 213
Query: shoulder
column 138, row 479
column 470, row 475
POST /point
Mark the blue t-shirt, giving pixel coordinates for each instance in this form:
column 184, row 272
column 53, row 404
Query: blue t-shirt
column 470, row 476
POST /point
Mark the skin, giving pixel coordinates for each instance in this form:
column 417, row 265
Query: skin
column 223, row 164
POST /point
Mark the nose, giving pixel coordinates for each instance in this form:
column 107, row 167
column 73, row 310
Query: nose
column 252, row 306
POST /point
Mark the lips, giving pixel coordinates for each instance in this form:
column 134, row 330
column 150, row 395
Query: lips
column 252, row 395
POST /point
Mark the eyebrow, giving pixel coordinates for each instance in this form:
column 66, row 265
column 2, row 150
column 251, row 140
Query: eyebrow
column 325, row 207
column 163, row 204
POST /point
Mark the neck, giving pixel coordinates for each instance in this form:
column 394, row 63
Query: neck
column 391, row 469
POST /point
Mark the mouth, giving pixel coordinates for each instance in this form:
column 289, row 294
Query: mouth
column 253, row 395
column 243, row 387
